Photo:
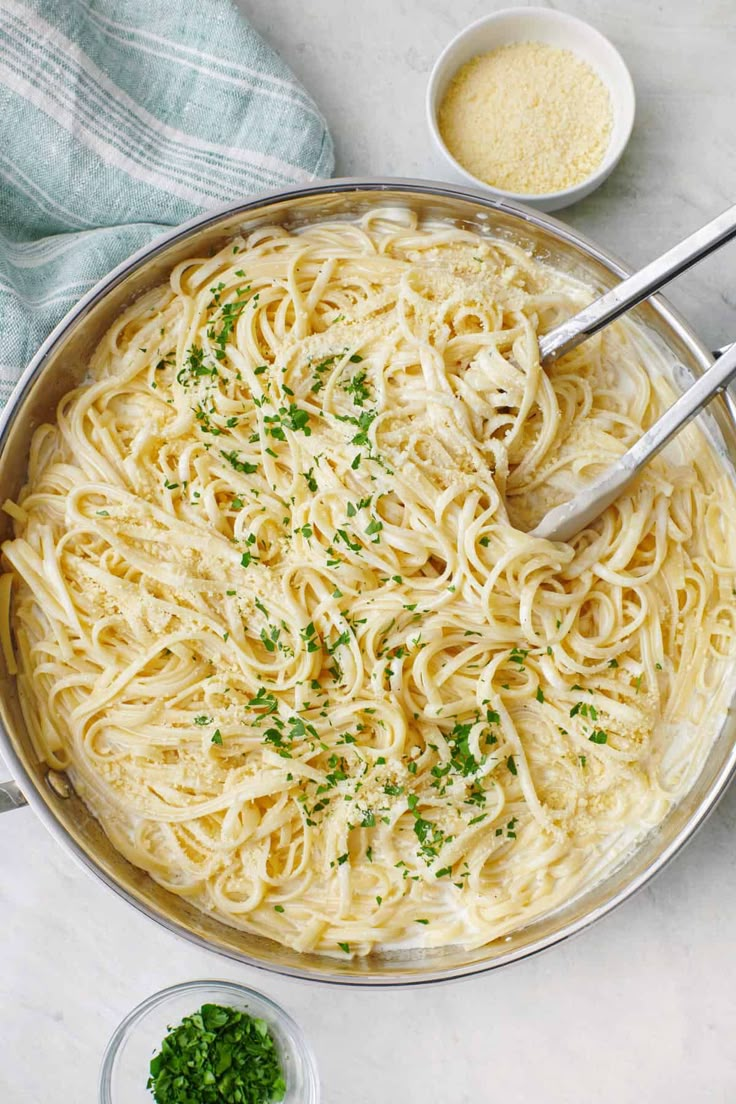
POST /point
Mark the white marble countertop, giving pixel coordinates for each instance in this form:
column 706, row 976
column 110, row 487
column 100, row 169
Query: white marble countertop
column 642, row 1008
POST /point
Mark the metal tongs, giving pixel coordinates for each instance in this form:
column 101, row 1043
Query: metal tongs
column 563, row 522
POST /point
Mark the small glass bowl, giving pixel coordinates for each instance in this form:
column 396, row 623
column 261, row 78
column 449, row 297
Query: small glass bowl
column 125, row 1066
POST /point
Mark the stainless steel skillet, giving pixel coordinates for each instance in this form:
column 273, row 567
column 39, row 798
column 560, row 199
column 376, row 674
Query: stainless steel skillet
column 61, row 363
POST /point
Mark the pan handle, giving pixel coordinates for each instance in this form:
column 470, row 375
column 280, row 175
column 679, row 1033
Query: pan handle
column 11, row 797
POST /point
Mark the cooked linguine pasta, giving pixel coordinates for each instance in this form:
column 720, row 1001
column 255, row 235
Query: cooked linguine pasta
column 276, row 611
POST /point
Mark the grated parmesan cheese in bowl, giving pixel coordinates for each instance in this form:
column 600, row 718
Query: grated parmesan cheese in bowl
column 531, row 104
column 527, row 118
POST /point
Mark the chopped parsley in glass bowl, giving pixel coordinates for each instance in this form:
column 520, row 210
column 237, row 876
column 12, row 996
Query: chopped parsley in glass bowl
column 209, row 1041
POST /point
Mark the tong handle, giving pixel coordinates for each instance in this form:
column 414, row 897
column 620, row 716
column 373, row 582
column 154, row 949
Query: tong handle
column 634, row 289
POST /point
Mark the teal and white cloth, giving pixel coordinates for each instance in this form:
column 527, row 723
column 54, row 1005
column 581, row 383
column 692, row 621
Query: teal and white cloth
column 118, row 119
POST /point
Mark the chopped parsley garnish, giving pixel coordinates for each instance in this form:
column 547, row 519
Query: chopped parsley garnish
column 218, row 1055
column 310, row 480
column 292, row 417
column 270, row 639
column 295, row 418
column 352, row 545
column 364, row 423
column 511, row 764
column 229, row 315
column 194, row 367
column 598, row 737
column 319, row 370
column 203, row 417
column 584, row 709
column 266, row 700
column 309, row 635
column 356, row 387
column 353, row 507
column 240, row 465
column 431, row 837
column 463, row 761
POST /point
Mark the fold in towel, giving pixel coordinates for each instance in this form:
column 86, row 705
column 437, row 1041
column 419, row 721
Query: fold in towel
column 118, row 119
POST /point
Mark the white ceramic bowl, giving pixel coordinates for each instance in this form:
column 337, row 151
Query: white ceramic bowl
column 557, row 29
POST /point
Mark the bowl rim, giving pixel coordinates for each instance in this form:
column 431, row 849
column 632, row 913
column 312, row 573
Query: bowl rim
column 296, row 1036
column 39, row 799
column 626, row 100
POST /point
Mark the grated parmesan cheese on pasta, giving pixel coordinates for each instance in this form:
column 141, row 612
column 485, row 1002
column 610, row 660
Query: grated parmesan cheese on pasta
column 527, row 118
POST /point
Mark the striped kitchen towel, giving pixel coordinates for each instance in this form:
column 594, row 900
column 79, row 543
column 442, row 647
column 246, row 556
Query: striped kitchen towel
column 118, row 119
